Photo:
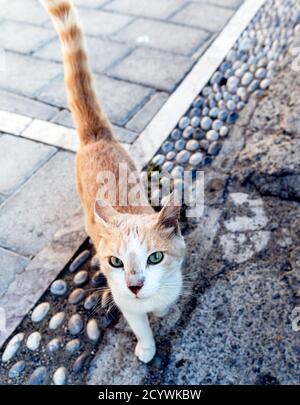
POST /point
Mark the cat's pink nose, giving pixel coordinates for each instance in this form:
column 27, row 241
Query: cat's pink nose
column 135, row 288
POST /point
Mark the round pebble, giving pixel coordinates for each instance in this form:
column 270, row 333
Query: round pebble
column 98, row 279
column 111, row 317
column 204, row 144
column 224, row 66
column 205, row 111
column 214, row 112
column 247, row 79
column 253, row 86
column 40, row 312
column 33, row 341
column 223, row 115
column 54, row 344
column 195, row 112
column 180, row 144
column 167, row 166
column 105, row 299
column 184, row 122
column 81, row 277
column 73, row 346
column 79, row 261
column 216, row 78
column 158, row 160
column 12, row 347
column 79, row 362
column 195, row 122
column 92, row 330
column 57, row 320
column 76, row 296
column 60, row 376
column 199, row 134
column 242, row 93
column 206, row 91
column 265, row 84
column 177, row 172
column 183, row 157
column 232, row 83
column 188, row 132
column 95, row 263
column 17, row 369
column 175, row 135
column 217, row 124
column 212, row 135
column 167, row 146
column 223, row 131
column 240, row 105
column 58, row 287
column 196, row 159
column 171, row 155
column 198, row 102
column 38, row 377
column 75, row 324
column 192, row 145
column 261, row 73
column 206, row 123
column 230, row 105
column 214, row 148
column 232, row 118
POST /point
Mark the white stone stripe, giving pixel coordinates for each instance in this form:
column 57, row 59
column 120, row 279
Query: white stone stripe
column 150, row 140
column 13, row 123
column 52, row 134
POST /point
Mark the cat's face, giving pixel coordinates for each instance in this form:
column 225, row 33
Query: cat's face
column 139, row 253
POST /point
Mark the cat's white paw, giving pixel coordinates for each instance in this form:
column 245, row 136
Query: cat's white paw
column 145, row 354
column 161, row 312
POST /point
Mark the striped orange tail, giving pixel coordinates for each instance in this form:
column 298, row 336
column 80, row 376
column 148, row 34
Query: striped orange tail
column 90, row 121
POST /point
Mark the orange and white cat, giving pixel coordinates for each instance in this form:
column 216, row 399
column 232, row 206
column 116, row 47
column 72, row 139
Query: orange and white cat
column 140, row 251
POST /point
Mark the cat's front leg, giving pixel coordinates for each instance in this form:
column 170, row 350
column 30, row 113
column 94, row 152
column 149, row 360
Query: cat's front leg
column 139, row 323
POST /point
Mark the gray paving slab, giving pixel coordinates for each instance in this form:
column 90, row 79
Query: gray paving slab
column 153, row 8
column 163, row 35
column 11, row 264
column 28, row 286
column 208, row 17
column 28, row 156
column 224, row 3
column 40, row 208
column 146, row 113
column 20, row 10
column 160, row 70
column 25, row 75
column 120, row 99
column 25, row 106
column 22, row 37
column 90, row 3
column 102, row 53
column 99, row 22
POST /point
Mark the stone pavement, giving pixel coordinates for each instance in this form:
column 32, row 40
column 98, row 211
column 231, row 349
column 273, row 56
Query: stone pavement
column 237, row 323
column 140, row 51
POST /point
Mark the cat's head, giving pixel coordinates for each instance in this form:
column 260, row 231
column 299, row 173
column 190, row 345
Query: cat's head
column 139, row 253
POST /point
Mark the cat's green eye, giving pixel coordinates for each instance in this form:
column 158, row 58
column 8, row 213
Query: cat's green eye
column 155, row 258
column 115, row 262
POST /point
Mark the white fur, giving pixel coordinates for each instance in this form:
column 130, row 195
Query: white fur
column 161, row 289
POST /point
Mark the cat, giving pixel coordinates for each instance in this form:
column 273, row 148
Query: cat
column 140, row 251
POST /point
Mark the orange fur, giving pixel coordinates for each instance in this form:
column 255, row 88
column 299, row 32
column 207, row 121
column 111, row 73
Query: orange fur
column 99, row 150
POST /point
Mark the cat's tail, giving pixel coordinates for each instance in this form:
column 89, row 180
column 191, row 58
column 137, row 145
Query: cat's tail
column 90, row 121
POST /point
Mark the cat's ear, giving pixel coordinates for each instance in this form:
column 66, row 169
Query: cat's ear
column 103, row 212
column 167, row 218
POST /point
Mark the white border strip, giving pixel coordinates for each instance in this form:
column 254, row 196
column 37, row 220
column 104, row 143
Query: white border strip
column 150, row 140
